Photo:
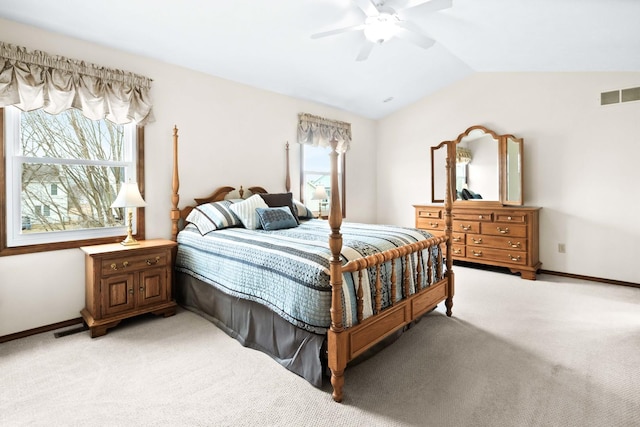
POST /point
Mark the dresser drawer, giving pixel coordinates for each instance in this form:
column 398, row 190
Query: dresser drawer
column 466, row 226
column 502, row 229
column 458, row 238
column 499, row 255
column 498, row 242
column 459, row 250
column 436, row 225
column 511, row 217
column 428, row 213
column 473, row 216
column 134, row 261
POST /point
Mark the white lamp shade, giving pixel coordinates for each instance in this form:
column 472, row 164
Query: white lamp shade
column 129, row 197
column 320, row 193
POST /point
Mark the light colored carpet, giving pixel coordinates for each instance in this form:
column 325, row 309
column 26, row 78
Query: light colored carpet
column 554, row 352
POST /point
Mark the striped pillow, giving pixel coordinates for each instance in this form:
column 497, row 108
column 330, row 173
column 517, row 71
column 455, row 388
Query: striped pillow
column 213, row 216
column 246, row 211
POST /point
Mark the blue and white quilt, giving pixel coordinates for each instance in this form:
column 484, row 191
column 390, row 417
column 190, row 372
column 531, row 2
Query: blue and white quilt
column 288, row 270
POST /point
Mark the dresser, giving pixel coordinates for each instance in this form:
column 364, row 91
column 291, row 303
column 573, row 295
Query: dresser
column 503, row 236
column 126, row 281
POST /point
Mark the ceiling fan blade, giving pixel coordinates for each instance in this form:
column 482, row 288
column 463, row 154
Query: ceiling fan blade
column 337, row 31
column 367, row 6
column 365, row 51
column 414, row 37
column 427, row 5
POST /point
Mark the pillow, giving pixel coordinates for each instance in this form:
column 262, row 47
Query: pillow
column 302, row 211
column 276, row 218
column 276, row 200
column 213, row 216
column 246, row 211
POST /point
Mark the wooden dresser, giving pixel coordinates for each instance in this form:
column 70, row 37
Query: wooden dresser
column 504, row 236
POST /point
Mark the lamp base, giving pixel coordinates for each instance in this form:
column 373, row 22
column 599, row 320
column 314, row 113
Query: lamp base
column 129, row 240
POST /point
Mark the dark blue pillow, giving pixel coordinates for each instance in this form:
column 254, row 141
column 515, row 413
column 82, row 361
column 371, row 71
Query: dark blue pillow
column 276, row 218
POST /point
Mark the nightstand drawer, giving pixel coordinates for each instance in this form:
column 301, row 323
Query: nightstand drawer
column 135, row 261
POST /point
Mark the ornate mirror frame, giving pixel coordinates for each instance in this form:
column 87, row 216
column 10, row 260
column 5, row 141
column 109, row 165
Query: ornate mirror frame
column 509, row 164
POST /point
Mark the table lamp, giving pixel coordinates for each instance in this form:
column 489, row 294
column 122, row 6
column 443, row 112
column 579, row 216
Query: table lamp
column 320, row 193
column 129, row 197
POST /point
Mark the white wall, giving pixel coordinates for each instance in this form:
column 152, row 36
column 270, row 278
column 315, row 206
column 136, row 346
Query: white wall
column 230, row 134
column 580, row 160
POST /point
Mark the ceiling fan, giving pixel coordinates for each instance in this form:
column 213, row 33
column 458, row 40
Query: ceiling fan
column 383, row 23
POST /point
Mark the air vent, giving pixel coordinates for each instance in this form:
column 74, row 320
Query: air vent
column 632, row 94
column 607, row 98
column 623, row 95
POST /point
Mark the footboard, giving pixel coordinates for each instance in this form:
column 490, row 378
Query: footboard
column 430, row 288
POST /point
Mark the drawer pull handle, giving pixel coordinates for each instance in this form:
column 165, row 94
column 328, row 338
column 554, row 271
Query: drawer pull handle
column 505, row 231
column 433, row 224
column 509, row 218
column 114, row 266
column 477, row 242
column 465, row 228
column 457, row 251
column 514, row 245
column 154, row 261
column 141, row 288
column 514, row 259
column 480, row 216
column 478, row 254
column 457, row 239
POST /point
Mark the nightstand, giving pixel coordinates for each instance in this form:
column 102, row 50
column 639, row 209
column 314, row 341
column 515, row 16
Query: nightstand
column 126, row 281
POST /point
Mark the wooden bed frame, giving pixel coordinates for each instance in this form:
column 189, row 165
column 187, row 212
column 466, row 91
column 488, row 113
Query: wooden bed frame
column 346, row 343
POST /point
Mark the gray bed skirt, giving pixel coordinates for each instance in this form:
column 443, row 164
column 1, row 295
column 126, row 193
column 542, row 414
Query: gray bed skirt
column 257, row 327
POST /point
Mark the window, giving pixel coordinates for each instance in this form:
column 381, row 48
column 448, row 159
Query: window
column 62, row 172
column 316, row 171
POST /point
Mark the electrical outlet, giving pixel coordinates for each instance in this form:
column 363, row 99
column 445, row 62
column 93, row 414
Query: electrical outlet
column 561, row 248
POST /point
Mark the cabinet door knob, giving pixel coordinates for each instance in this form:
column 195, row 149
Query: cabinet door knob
column 131, row 291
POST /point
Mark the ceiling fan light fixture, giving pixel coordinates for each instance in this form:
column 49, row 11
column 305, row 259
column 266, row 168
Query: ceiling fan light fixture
column 380, row 28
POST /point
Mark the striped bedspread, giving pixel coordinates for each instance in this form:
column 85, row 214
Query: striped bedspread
column 288, row 270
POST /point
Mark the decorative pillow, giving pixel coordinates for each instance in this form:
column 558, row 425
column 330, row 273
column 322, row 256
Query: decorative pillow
column 276, row 200
column 302, row 211
column 246, row 211
column 276, row 218
column 213, row 216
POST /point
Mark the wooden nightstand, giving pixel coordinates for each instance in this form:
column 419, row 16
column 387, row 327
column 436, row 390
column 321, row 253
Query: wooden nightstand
column 126, row 281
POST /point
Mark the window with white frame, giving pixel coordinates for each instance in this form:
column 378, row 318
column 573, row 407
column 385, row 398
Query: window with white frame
column 62, row 173
column 315, row 173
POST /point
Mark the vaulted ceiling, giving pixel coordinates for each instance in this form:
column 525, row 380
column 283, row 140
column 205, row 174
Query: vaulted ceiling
column 268, row 44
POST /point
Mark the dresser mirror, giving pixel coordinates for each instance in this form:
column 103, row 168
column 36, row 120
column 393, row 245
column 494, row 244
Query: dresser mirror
column 488, row 168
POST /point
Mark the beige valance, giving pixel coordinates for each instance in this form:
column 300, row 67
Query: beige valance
column 463, row 155
column 319, row 132
column 31, row 80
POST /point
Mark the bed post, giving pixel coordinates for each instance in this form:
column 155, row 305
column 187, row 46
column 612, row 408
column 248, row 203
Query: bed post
column 448, row 221
column 336, row 340
column 175, row 197
column 287, row 178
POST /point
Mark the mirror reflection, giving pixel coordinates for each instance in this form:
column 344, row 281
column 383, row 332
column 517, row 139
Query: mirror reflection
column 488, row 168
column 477, row 167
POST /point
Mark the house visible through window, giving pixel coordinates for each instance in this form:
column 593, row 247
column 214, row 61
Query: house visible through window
column 62, row 174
